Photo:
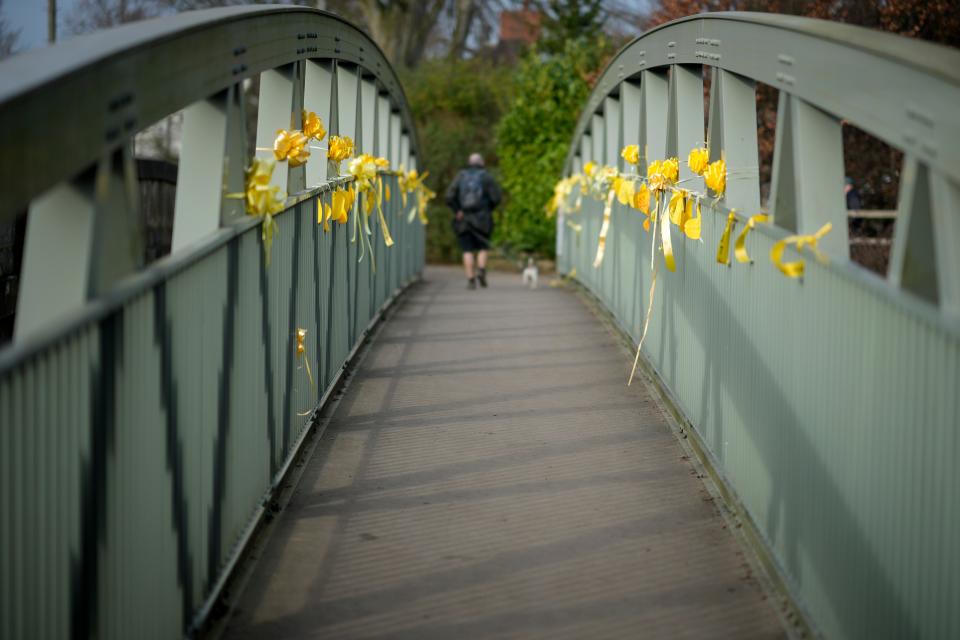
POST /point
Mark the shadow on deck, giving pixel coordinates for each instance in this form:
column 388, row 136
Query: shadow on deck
column 489, row 474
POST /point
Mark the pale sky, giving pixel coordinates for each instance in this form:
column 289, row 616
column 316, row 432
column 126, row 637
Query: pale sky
column 30, row 16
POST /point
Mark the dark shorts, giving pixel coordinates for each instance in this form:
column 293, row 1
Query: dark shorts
column 472, row 241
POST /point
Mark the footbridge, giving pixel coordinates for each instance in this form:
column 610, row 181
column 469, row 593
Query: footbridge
column 289, row 427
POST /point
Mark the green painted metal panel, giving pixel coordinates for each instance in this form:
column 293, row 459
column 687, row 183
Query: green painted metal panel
column 142, row 432
column 829, row 404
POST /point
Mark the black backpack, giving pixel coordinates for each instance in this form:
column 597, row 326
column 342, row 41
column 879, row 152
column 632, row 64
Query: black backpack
column 470, row 191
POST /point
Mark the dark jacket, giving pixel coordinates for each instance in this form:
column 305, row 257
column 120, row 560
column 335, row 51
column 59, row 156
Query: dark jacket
column 478, row 220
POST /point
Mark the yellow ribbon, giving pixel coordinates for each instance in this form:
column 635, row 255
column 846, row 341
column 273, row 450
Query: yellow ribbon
column 666, row 245
column 339, row 149
column 387, row 239
column 653, row 290
column 261, row 199
column 723, row 249
column 302, row 351
column 313, row 125
column 291, row 146
column 677, row 206
column 604, row 229
column 740, row 247
column 692, row 226
column 795, row 269
column 715, row 176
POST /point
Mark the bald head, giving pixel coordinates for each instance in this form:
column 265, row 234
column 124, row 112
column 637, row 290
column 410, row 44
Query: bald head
column 476, row 160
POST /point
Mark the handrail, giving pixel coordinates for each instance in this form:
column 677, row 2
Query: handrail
column 775, row 50
column 826, row 404
column 147, row 423
column 55, row 125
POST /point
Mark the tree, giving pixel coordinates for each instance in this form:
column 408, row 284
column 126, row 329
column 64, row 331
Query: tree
column 8, row 36
column 565, row 20
column 457, row 104
column 91, row 15
column 534, row 135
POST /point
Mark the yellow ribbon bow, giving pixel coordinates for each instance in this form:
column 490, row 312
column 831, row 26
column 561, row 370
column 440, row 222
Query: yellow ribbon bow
column 339, row 148
column 795, row 269
column 302, row 351
column 338, row 209
column 313, row 126
column 723, row 249
column 681, row 207
column 291, row 146
column 740, row 248
column 716, row 177
column 261, row 199
column 624, row 188
column 697, row 160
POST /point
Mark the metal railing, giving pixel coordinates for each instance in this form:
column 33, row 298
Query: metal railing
column 828, row 404
column 146, row 414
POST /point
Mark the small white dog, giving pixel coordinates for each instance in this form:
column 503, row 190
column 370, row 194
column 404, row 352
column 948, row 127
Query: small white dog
column 531, row 274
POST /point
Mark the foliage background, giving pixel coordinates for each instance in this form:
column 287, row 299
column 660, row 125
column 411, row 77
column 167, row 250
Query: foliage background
column 534, row 134
column 457, row 104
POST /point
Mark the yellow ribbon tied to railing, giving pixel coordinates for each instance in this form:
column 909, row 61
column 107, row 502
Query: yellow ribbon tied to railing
column 302, row 352
column 715, row 175
column 313, row 126
column 795, row 269
column 301, row 347
column 291, row 146
column 262, row 199
column 740, row 248
column 604, row 229
column 693, row 226
column 723, row 249
column 339, row 148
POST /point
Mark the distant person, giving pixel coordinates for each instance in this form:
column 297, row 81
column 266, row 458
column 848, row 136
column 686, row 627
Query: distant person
column 853, row 195
column 473, row 195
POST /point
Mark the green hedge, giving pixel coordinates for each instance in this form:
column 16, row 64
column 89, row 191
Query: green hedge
column 533, row 138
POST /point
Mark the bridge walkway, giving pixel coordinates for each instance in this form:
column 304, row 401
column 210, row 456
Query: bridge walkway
column 489, row 474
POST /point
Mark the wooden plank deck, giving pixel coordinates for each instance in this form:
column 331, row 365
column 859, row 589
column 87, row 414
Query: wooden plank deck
column 489, row 474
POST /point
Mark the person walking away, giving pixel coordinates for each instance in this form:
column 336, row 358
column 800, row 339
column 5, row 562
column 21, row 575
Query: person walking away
column 472, row 196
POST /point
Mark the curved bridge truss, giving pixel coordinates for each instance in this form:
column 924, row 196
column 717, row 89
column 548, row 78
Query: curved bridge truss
column 148, row 413
column 828, row 404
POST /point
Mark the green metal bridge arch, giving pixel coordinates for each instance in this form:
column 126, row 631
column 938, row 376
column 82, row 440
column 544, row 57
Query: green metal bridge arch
column 147, row 414
column 165, row 402
column 829, row 406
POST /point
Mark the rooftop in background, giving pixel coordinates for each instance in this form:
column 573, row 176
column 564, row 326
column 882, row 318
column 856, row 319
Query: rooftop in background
column 520, row 26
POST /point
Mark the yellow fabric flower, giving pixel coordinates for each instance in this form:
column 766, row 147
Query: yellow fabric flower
column 641, row 199
column 655, row 177
column 260, row 196
column 339, row 148
column 716, row 177
column 678, row 207
column 364, row 169
column 261, row 199
column 291, row 146
column 631, row 153
column 697, row 160
column 692, row 226
column 624, row 188
column 341, row 204
column 313, row 126
column 670, row 168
